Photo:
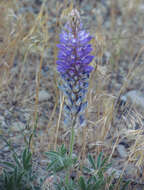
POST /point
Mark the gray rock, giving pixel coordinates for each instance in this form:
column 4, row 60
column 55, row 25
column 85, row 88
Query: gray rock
column 27, row 116
column 44, row 95
column 122, row 151
column 17, row 126
column 2, row 120
column 136, row 98
column 115, row 172
column 6, row 149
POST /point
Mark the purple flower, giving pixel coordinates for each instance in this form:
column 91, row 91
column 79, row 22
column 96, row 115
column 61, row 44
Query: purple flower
column 74, row 52
column 73, row 65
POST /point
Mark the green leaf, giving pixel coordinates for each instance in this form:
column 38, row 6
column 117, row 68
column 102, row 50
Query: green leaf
column 20, row 177
column 8, row 164
column 51, row 165
column 15, row 174
column 82, row 183
column 87, row 170
column 28, row 165
column 91, row 160
column 99, row 160
column 24, row 155
column 53, row 154
column 26, row 158
column 63, row 150
column 16, row 159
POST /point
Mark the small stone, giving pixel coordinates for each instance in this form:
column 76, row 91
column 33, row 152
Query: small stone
column 17, row 126
column 44, row 95
column 136, row 98
column 131, row 171
column 6, row 149
column 44, row 162
column 27, row 116
column 116, row 172
column 122, row 151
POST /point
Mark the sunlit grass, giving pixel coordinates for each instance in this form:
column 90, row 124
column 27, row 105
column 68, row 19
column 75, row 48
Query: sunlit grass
column 26, row 37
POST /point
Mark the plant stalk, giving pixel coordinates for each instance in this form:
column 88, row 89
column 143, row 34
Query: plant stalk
column 71, row 142
column 70, row 150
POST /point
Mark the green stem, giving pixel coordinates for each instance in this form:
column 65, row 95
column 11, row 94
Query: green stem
column 70, row 152
column 67, row 178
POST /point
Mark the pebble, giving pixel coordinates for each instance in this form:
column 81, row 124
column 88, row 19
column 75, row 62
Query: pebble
column 136, row 98
column 44, row 95
column 17, row 126
column 116, row 172
column 122, row 151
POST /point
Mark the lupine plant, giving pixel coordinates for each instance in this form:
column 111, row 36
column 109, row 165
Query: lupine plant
column 73, row 65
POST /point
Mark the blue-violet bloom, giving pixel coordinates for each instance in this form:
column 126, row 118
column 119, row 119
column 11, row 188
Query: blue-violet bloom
column 73, row 65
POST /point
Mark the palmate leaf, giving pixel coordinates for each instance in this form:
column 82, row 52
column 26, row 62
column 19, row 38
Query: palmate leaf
column 67, row 162
column 24, row 155
column 62, row 150
column 99, row 160
column 82, row 183
column 60, row 163
column 53, row 154
column 51, row 165
column 92, row 162
column 59, row 160
column 16, row 159
column 26, row 159
column 19, row 179
column 87, row 170
column 8, row 164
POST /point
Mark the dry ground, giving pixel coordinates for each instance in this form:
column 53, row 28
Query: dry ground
column 28, row 36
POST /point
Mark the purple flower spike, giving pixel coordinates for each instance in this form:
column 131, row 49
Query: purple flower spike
column 73, row 65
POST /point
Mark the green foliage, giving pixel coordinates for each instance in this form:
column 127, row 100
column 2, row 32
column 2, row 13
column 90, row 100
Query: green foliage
column 94, row 177
column 60, row 160
column 19, row 174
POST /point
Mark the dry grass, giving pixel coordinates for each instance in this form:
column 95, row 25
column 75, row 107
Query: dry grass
column 26, row 38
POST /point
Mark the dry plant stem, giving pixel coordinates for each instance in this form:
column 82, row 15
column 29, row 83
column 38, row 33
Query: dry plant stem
column 84, row 144
column 113, row 14
column 56, row 102
column 126, row 163
column 130, row 73
column 114, row 147
column 85, row 128
column 37, row 88
column 50, row 121
column 129, row 77
column 38, row 75
column 59, row 118
column 55, row 81
column 83, row 152
column 85, row 135
column 53, row 112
